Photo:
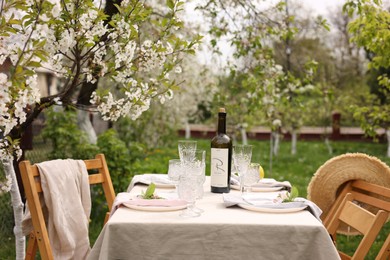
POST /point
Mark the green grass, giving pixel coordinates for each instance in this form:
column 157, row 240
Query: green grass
column 298, row 169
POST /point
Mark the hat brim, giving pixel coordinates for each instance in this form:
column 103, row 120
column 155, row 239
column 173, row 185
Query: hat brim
column 332, row 176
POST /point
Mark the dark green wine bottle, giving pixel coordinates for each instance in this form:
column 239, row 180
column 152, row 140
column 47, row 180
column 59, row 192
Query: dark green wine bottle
column 221, row 157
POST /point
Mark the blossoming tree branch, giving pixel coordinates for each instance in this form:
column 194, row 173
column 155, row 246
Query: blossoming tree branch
column 134, row 48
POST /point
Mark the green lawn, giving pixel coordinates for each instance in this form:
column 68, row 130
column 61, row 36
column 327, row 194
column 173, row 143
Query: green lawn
column 298, row 169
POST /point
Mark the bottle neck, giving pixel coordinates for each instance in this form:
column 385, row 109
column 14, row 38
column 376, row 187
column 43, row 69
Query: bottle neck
column 221, row 123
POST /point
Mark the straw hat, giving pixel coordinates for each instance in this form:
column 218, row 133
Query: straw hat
column 331, row 177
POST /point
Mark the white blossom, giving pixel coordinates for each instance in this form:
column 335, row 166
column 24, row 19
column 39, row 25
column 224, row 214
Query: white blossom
column 178, row 70
column 7, row 184
column 277, row 122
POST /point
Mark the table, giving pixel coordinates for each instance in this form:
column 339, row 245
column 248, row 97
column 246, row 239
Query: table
column 219, row 233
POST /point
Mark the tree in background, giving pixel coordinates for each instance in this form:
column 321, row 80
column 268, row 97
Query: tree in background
column 371, row 30
column 299, row 61
column 259, row 86
column 76, row 41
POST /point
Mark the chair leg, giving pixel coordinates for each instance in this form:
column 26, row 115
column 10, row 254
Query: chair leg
column 32, row 246
column 384, row 253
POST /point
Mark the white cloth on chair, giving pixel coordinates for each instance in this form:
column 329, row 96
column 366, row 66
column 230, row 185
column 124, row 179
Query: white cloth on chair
column 67, row 198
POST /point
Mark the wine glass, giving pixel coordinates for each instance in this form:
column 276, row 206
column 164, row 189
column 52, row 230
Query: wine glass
column 187, row 190
column 186, row 150
column 175, row 169
column 242, row 155
column 251, row 177
column 198, row 167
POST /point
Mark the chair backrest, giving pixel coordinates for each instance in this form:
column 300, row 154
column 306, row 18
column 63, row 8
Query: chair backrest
column 32, row 186
column 370, row 195
column 365, row 192
column 364, row 221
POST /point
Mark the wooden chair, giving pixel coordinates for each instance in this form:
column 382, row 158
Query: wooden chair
column 384, row 253
column 369, row 194
column 365, row 192
column 31, row 182
column 367, row 223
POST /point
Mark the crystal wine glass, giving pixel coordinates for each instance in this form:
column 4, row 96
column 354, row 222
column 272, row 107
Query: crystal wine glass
column 198, row 167
column 186, row 150
column 187, row 190
column 251, row 177
column 175, row 169
column 242, row 155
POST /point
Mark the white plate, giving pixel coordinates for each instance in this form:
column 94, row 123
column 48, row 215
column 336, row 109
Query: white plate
column 258, row 189
column 270, row 210
column 160, row 185
column 165, row 185
column 155, row 208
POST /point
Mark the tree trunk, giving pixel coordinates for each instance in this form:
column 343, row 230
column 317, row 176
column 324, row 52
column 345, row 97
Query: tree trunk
column 388, row 142
column 87, row 88
column 243, row 135
column 270, row 152
column 17, row 204
column 187, row 130
column 327, row 143
column 276, row 137
column 294, row 142
column 85, row 125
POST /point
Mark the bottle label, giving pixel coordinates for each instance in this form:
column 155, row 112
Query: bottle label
column 219, row 167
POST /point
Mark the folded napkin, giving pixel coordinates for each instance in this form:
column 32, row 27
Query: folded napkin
column 234, row 180
column 120, row 198
column 263, row 183
column 169, row 200
column 149, row 178
column 271, row 201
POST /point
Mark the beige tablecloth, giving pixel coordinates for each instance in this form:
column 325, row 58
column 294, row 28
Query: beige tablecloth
column 219, row 233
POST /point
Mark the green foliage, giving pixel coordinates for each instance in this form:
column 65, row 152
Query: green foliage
column 156, row 128
column 370, row 30
column 117, row 157
column 67, row 140
column 373, row 116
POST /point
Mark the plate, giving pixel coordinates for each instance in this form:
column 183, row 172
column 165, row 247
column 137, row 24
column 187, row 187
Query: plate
column 270, row 210
column 258, row 189
column 159, row 185
column 164, row 185
column 155, row 208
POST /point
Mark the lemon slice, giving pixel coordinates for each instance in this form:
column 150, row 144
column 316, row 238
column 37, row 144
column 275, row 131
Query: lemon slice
column 261, row 171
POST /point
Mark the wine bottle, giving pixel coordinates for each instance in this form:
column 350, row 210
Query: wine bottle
column 221, row 157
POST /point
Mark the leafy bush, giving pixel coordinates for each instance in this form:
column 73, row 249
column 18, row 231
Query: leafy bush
column 67, row 140
column 156, row 128
column 117, row 157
